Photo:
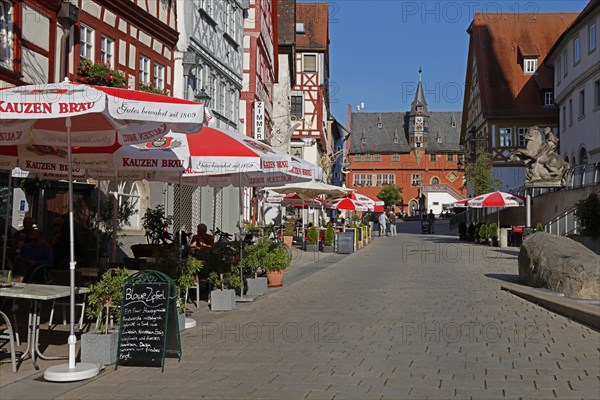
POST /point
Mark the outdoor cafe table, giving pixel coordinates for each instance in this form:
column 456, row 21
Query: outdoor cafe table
column 36, row 294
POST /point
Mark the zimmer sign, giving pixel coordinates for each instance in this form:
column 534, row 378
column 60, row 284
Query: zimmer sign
column 259, row 120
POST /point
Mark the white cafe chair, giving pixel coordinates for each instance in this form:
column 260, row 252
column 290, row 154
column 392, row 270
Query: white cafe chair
column 6, row 333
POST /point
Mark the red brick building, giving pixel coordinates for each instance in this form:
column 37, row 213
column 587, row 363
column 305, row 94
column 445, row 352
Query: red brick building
column 418, row 150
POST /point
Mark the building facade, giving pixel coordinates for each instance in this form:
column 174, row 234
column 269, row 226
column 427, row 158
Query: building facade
column 309, row 101
column 418, row 150
column 260, row 54
column 507, row 87
column 285, row 78
column 575, row 59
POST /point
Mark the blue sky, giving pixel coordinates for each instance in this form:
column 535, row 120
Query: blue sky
column 377, row 47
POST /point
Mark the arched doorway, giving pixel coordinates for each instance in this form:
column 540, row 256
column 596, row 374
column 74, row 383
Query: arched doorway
column 413, row 207
column 583, row 156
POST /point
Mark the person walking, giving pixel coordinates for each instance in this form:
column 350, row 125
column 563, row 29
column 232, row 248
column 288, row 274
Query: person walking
column 431, row 219
column 392, row 224
column 382, row 224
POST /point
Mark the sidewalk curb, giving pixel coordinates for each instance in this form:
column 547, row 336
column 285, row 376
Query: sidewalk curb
column 587, row 314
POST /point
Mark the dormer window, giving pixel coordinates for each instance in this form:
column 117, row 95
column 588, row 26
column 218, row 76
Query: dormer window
column 438, row 139
column 380, row 125
column 363, row 140
column 396, row 139
column 300, row 28
column 530, row 65
column 548, row 98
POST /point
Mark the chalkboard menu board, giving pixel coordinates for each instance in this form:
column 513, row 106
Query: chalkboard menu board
column 345, row 242
column 148, row 326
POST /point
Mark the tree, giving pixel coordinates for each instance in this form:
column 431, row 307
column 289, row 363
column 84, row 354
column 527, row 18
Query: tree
column 479, row 175
column 390, row 194
column 587, row 213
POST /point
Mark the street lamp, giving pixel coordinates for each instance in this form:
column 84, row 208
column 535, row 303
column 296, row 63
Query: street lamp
column 203, row 97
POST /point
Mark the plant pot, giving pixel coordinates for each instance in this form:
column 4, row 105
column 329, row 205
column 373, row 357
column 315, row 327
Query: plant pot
column 328, row 249
column 222, row 300
column 312, row 247
column 275, row 278
column 146, row 250
column 288, row 241
column 99, row 348
column 256, row 286
column 181, row 321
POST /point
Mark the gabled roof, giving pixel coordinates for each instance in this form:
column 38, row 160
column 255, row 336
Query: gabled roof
column 591, row 6
column 499, row 42
column 380, row 128
column 315, row 17
column 286, row 22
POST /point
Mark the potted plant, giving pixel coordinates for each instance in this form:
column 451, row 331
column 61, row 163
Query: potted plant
column 154, row 223
column 471, row 232
column 224, row 276
column 103, row 302
column 483, row 234
column 492, row 232
column 276, row 261
column 329, row 239
column 289, row 229
column 252, row 261
column 183, row 271
column 313, row 239
column 463, row 231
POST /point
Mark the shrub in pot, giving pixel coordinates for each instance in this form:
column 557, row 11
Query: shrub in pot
column 103, row 302
column 224, row 276
column 154, row 222
column 492, row 232
column 289, row 230
column 329, row 239
column 483, row 234
column 276, row 261
column 252, row 261
column 313, row 239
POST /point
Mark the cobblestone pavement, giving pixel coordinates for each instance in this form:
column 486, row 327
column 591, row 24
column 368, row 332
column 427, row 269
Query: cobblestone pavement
column 413, row 316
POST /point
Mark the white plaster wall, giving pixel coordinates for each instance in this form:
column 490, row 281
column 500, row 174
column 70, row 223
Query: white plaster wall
column 440, row 198
column 36, row 27
column 35, row 67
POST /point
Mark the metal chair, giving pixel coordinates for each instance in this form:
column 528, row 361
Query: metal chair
column 7, row 333
column 63, row 278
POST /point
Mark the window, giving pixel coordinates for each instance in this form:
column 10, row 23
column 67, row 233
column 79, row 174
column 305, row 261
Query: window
column 86, row 42
column 367, row 158
column 564, row 118
column 385, row 179
column 558, row 72
column 297, row 151
column 596, row 94
column 297, row 106
column 310, row 63
column 207, row 5
column 461, row 158
column 415, row 179
column 433, row 157
column 144, row 70
column 6, row 33
column 377, row 157
column 566, row 62
column 570, row 112
column 450, row 157
column 505, row 137
column 396, row 139
column 159, row 76
column 129, row 192
column 362, row 179
column 107, row 50
column 576, row 51
column 592, row 38
column 530, row 65
column 395, row 157
column 582, row 103
column 548, row 98
column 300, row 27
column 357, row 158
column 583, row 156
column 435, row 180
column 521, row 132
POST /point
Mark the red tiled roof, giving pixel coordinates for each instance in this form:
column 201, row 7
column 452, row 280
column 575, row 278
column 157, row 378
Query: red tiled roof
column 315, row 17
column 499, row 43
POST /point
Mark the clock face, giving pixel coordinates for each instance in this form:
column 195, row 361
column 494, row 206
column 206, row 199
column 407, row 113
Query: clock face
column 419, row 123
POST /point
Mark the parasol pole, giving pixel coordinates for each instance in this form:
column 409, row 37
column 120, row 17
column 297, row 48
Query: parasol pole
column 71, row 372
column 8, row 202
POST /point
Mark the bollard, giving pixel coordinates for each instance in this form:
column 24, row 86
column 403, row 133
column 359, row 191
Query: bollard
column 503, row 237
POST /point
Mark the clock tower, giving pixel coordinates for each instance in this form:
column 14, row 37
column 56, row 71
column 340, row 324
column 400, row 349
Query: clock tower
column 418, row 119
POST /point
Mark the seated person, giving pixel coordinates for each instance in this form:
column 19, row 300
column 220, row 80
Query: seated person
column 201, row 241
column 23, row 235
column 33, row 254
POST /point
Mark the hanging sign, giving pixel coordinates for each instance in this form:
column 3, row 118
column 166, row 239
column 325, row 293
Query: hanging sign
column 259, row 120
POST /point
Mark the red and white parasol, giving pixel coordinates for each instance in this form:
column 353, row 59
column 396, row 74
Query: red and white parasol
column 75, row 115
column 496, row 199
column 461, row 203
column 344, row 203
